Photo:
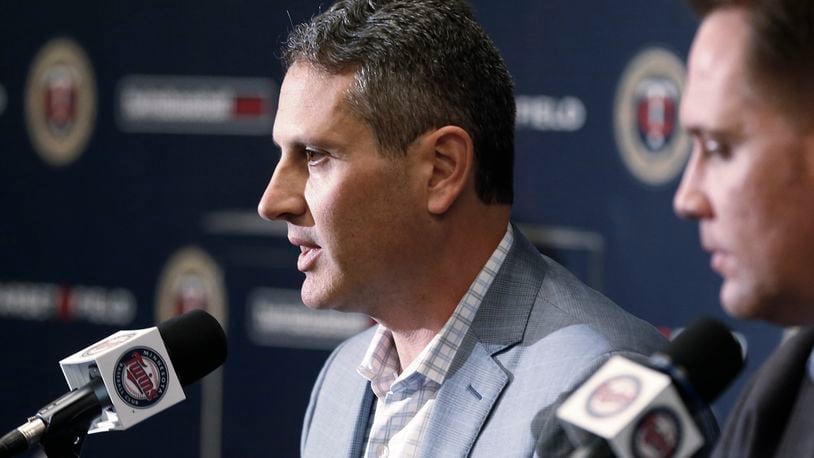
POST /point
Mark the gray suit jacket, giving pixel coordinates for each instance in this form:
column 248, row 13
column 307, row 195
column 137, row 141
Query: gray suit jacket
column 538, row 334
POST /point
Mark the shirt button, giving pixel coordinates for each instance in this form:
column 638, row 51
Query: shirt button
column 383, row 451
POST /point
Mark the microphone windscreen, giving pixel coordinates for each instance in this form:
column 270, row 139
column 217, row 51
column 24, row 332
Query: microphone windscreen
column 708, row 354
column 196, row 344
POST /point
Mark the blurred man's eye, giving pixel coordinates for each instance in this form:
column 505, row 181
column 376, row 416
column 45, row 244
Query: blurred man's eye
column 715, row 147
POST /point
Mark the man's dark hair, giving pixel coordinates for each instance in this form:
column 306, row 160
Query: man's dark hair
column 418, row 65
column 780, row 55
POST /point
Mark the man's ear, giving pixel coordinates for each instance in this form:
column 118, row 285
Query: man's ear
column 453, row 161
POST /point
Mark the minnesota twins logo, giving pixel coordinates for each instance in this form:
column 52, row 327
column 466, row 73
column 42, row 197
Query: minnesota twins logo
column 657, row 434
column 107, row 344
column 141, row 377
column 651, row 144
column 191, row 280
column 613, row 396
column 60, row 101
column 656, row 107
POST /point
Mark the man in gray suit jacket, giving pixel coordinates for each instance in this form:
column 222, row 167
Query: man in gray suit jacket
column 396, row 127
column 539, row 332
column 749, row 105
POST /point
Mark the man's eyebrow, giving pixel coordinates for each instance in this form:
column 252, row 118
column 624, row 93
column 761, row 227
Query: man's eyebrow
column 301, row 141
column 295, row 143
column 698, row 131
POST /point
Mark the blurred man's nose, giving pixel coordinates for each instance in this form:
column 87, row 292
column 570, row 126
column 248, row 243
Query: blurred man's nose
column 690, row 200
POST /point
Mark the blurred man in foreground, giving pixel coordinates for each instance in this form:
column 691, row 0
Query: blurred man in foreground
column 749, row 105
column 396, row 125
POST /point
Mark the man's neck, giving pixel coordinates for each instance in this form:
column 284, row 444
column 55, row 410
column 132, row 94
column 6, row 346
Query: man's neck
column 424, row 312
column 414, row 328
column 410, row 345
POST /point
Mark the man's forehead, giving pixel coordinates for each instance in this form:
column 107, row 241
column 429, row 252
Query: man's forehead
column 308, row 84
column 717, row 77
column 720, row 46
column 310, row 99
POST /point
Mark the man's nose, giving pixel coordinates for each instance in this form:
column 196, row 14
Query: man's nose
column 284, row 197
column 690, row 200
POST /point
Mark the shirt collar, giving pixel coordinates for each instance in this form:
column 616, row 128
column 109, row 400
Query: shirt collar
column 380, row 364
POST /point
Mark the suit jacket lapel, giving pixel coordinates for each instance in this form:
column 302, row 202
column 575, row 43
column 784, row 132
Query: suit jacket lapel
column 357, row 446
column 475, row 380
column 463, row 403
column 348, row 425
column 756, row 425
column 343, row 410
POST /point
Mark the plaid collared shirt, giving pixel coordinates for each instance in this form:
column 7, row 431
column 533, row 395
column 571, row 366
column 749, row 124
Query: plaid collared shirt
column 404, row 402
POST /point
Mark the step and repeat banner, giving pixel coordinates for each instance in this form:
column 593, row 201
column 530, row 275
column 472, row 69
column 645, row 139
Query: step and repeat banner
column 135, row 142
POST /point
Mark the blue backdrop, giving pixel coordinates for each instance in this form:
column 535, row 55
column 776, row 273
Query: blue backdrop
column 136, row 144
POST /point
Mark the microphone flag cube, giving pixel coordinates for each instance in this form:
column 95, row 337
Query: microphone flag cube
column 138, row 376
column 637, row 410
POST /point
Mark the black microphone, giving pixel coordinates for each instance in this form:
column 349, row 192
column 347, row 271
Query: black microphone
column 122, row 380
column 629, row 409
column 703, row 360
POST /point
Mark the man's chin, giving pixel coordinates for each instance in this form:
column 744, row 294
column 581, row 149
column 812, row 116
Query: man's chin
column 314, row 301
column 313, row 297
column 319, row 299
column 742, row 304
column 775, row 309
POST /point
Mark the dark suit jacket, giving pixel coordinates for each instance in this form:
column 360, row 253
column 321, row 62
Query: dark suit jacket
column 774, row 415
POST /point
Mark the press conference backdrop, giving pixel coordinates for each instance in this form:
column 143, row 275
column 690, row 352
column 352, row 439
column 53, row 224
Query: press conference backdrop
column 135, row 142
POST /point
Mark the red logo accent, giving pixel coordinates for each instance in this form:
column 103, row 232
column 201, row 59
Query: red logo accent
column 138, row 376
column 60, row 99
column 656, row 112
column 249, row 106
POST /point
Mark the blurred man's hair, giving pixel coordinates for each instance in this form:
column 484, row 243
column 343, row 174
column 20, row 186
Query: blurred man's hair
column 780, row 57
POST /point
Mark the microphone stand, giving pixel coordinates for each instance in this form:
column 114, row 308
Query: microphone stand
column 67, row 443
column 74, row 413
column 62, row 425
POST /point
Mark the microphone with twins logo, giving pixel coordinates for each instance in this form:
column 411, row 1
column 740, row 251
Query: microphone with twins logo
column 121, row 381
column 657, row 409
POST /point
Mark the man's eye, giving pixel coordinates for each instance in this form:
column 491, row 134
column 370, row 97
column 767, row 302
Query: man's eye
column 314, row 157
column 714, row 147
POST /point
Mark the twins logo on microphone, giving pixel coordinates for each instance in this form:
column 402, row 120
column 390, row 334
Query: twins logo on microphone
column 613, row 396
column 657, row 434
column 107, row 344
column 141, row 377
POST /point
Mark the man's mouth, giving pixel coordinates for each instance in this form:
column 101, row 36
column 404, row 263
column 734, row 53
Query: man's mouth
column 308, row 257
column 720, row 261
column 309, row 252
